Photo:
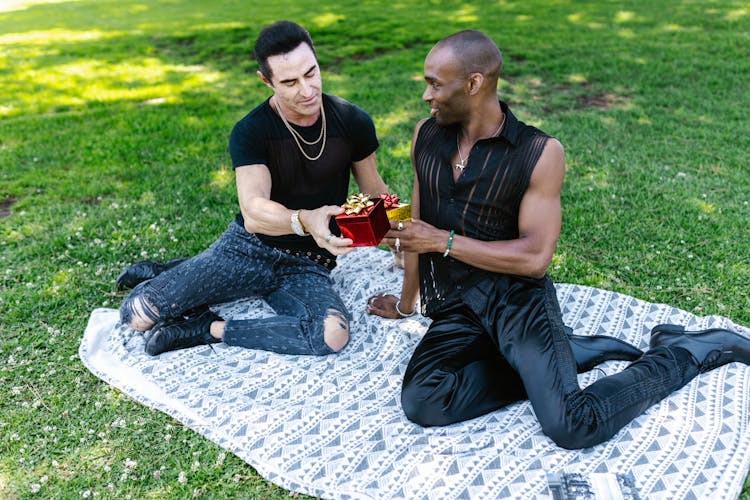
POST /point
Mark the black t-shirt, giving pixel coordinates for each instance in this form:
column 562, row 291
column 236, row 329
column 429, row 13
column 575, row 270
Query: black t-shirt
column 262, row 138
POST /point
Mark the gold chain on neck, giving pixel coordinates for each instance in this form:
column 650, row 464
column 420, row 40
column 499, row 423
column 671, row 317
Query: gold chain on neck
column 298, row 137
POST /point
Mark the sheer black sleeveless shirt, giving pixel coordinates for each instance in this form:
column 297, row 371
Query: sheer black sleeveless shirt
column 483, row 203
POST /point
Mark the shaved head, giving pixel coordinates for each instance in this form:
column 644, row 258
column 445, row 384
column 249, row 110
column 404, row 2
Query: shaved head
column 476, row 53
column 461, row 72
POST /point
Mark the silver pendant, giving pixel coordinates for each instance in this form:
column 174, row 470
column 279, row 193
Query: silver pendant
column 459, row 166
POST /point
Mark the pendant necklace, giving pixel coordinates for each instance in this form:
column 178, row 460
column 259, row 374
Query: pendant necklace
column 461, row 165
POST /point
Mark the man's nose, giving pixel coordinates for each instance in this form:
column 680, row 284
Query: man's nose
column 306, row 89
column 426, row 95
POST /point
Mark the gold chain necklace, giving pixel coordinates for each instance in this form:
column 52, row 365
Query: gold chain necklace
column 298, row 137
column 461, row 165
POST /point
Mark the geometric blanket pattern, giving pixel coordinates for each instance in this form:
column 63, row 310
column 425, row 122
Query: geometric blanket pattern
column 333, row 426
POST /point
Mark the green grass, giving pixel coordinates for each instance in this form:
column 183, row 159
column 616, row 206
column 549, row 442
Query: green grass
column 114, row 120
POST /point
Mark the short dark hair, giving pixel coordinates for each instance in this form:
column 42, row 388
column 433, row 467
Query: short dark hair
column 280, row 37
column 476, row 52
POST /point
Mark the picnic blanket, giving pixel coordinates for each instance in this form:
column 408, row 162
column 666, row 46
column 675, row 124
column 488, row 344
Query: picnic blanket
column 333, row 427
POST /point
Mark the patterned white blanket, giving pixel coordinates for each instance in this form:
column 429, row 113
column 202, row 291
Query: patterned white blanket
column 333, row 426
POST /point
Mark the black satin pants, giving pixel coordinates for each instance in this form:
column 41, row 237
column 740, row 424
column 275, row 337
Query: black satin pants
column 509, row 345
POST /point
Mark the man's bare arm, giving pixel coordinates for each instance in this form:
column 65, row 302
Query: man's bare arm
column 540, row 220
column 264, row 216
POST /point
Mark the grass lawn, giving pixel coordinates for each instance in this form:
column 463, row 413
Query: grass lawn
column 114, row 119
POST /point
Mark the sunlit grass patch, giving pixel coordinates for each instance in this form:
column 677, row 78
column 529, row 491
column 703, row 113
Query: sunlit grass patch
column 83, row 81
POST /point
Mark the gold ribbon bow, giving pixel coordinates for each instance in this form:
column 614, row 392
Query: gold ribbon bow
column 356, row 203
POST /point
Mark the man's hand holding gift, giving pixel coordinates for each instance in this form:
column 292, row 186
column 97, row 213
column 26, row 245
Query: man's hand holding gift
column 315, row 222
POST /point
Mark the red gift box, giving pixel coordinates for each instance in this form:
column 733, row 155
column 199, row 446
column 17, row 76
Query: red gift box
column 367, row 227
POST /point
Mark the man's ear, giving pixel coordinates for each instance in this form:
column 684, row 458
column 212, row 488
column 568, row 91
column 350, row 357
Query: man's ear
column 474, row 83
column 265, row 80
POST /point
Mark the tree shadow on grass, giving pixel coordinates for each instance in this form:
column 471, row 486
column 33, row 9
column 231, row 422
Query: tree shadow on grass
column 94, row 97
column 115, row 117
column 120, row 88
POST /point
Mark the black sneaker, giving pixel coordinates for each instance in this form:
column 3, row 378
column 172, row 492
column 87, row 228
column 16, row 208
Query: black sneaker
column 142, row 271
column 181, row 333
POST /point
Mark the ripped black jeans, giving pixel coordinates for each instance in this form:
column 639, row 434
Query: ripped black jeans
column 236, row 266
column 510, row 345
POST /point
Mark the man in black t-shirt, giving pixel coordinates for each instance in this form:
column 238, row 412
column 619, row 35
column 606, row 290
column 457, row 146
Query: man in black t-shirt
column 487, row 199
column 293, row 156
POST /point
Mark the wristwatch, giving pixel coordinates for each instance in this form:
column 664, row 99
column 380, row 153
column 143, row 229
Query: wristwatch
column 297, row 226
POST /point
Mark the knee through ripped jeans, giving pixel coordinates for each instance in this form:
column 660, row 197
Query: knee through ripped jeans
column 236, row 266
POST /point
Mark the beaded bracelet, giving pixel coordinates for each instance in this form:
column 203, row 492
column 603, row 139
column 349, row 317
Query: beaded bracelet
column 404, row 315
column 450, row 242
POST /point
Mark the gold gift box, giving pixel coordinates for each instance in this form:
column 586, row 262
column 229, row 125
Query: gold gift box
column 399, row 213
